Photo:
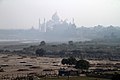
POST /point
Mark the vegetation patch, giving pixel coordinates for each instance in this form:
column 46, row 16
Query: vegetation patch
column 22, row 62
column 35, row 67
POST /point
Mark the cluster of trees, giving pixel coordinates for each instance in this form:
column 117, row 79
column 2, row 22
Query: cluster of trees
column 40, row 52
column 69, row 61
column 96, row 32
column 1, row 69
column 80, row 64
column 70, row 43
column 80, row 50
column 116, row 77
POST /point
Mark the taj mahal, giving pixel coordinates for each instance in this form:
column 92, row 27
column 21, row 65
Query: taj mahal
column 56, row 25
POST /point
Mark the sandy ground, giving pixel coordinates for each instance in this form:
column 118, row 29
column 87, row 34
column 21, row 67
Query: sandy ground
column 12, row 63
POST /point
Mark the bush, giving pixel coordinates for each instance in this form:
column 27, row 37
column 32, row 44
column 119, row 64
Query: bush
column 1, row 70
column 70, row 42
column 70, row 61
column 40, row 52
column 64, row 61
column 116, row 77
column 82, row 64
column 42, row 43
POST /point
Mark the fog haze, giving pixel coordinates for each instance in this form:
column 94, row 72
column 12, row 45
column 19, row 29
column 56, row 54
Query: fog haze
column 23, row 14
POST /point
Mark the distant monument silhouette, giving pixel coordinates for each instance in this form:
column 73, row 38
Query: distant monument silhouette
column 56, row 25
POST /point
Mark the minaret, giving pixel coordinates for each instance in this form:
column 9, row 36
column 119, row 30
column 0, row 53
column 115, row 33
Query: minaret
column 39, row 25
column 73, row 22
column 44, row 20
column 32, row 28
column 44, row 25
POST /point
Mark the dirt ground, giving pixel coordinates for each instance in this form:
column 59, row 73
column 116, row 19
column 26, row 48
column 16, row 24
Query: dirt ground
column 16, row 65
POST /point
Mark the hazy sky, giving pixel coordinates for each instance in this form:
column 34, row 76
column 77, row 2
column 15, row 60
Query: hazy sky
column 25, row 13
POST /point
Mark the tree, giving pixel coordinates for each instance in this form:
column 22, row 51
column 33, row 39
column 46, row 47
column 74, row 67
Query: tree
column 70, row 42
column 82, row 64
column 1, row 70
column 40, row 52
column 116, row 77
column 70, row 61
column 64, row 61
column 62, row 53
column 42, row 43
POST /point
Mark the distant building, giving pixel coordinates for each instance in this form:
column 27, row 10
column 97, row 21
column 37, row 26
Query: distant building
column 56, row 25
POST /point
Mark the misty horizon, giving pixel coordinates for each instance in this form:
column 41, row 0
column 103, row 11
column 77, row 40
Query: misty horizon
column 23, row 14
column 66, row 20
